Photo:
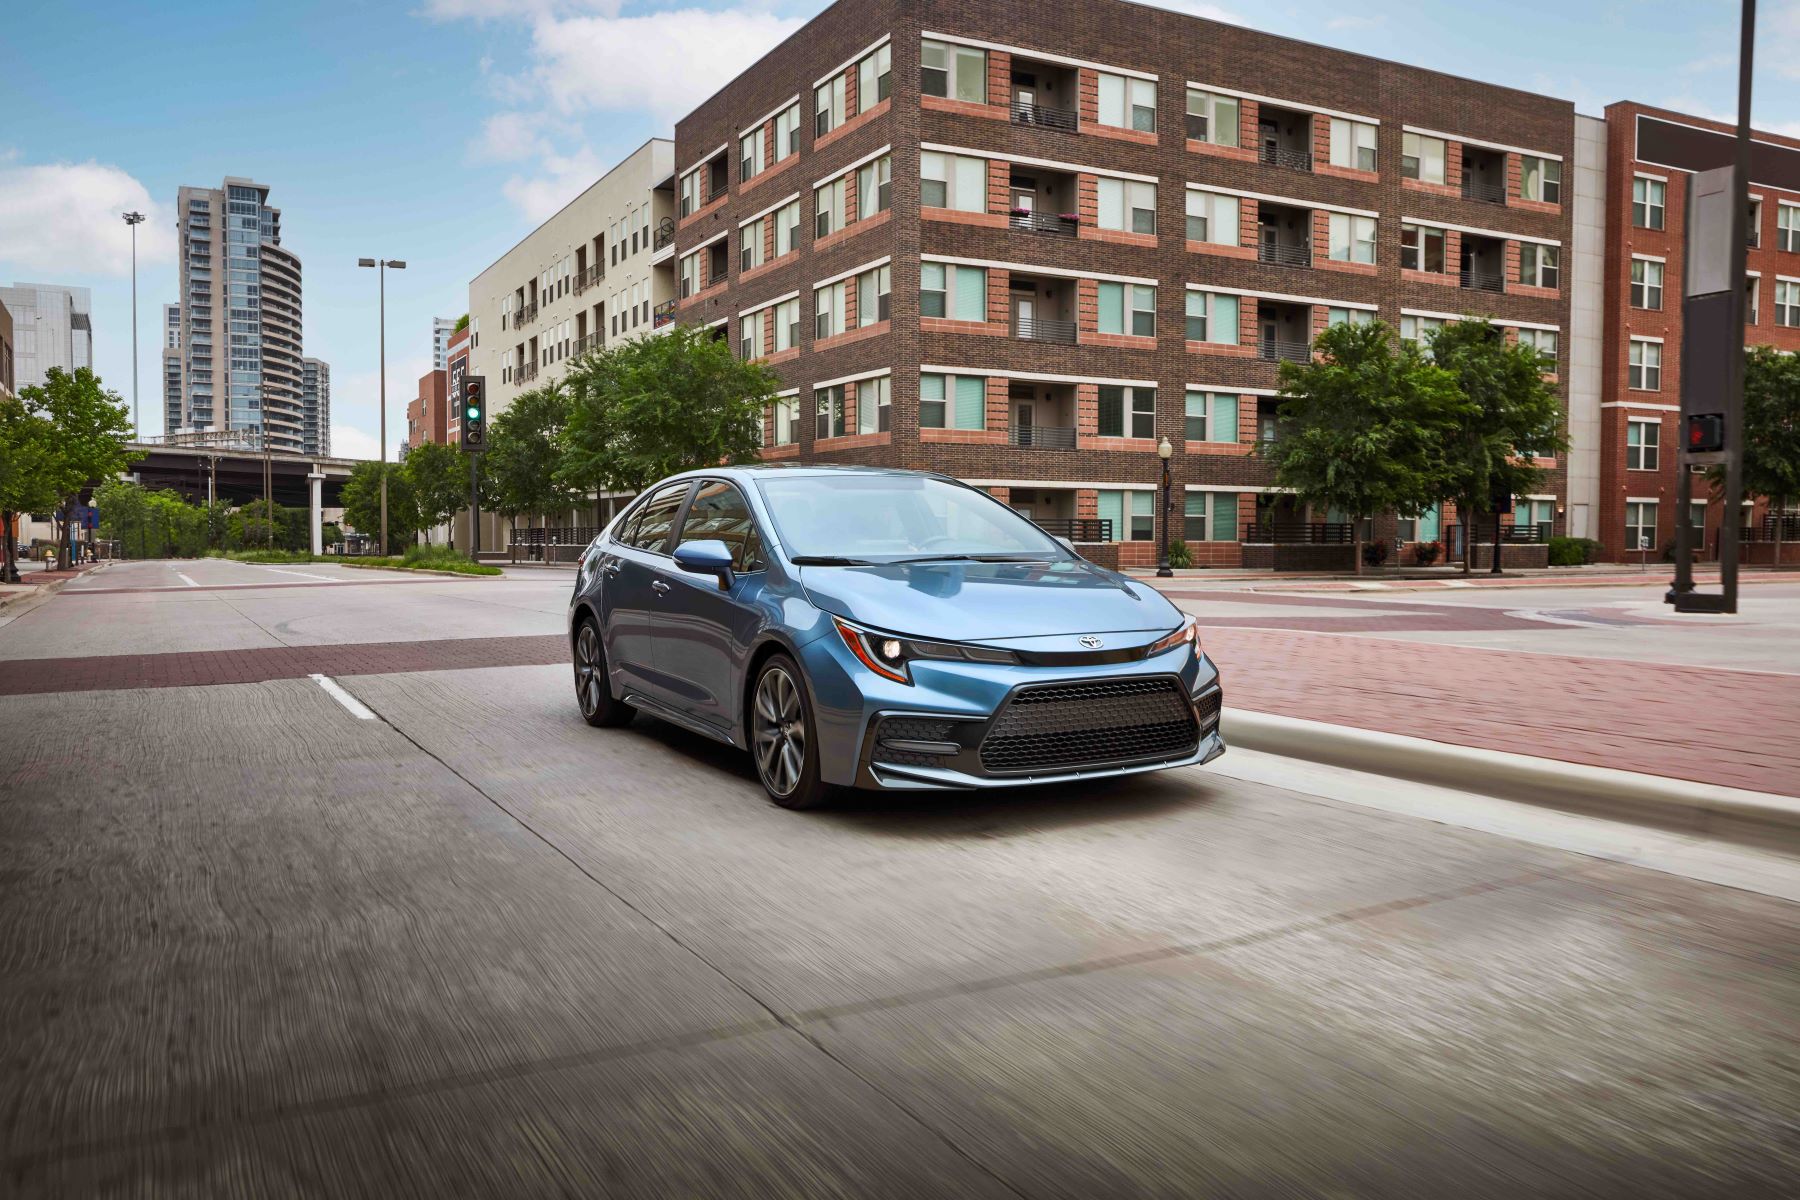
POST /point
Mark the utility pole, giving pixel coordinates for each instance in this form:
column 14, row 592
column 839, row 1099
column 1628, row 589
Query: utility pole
column 134, row 219
column 382, row 270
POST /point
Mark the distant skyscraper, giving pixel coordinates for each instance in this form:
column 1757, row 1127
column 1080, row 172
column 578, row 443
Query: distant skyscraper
column 315, row 406
column 442, row 330
column 52, row 327
column 240, row 333
column 171, row 368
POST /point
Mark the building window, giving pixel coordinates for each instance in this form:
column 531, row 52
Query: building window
column 691, row 195
column 750, row 245
column 953, row 71
column 1640, row 525
column 952, row 181
column 1348, row 316
column 1647, row 202
column 1212, row 118
column 1127, row 411
column 1643, row 439
column 1543, row 341
column 952, row 402
column 828, row 310
column 1422, row 248
column 1537, row 264
column 1131, row 516
column 1787, row 303
column 874, row 187
column 1211, row 417
column 787, row 420
column 1418, row 330
column 872, row 296
column 1127, row 103
column 1426, row 527
column 1212, row 217
column 952, row 291
column 872, row 404
column 1645, row 373
column 828, row 106
column 1540, row 179
column 874, row 77
column 787, row 228
column 1787, row 227
column 750, row 335
column 690, row 274
column 1352, row 238
column 787, row 132
column 1753, row 225
column 1752, row 299
column 1422, row 158
column 829, row 403
column 787, row 324
column 1646, row 283
column 1352, row 144
column 750, row 154
column 1128, row 308
column 1127, row 205
column 1212, row 317
column 828, row 209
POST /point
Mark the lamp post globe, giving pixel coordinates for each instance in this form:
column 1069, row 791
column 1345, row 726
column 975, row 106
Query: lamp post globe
column 1164, row 451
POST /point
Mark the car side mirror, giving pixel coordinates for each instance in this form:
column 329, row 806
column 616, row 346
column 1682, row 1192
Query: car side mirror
column 708, row 557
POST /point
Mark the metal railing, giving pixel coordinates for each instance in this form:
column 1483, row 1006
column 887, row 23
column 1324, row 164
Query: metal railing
column 1486, row 193
column 1300, row 533
column 662, row 314
column 1510, row 535
column 1042, row 437
column 1053, row 224
column 1285, row 255
column 665, row 234
column 528, row 370
column 1044, row 329
column 1482, row 281
column 524, row 316
column 1281, row 350
column 1077, row 529
column 589, row 277
column 718, row 190
column 1293, row 160
column 587, row 342
column 1046, row 118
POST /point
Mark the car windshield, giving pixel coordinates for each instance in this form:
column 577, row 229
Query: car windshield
column 892, row 518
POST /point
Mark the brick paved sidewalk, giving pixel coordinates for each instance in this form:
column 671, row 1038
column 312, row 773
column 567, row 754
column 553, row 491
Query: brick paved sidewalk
column 1736, row 728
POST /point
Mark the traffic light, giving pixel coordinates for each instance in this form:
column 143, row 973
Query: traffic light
column 1705, row 432
column 474, row 413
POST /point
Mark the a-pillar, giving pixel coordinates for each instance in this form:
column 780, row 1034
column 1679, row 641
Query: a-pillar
column 317, row 481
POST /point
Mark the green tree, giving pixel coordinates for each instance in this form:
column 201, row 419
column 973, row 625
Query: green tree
column 649, row 408
column 1514, row 416
column 1362, row 426
column 26, row 480
column 462, row 323
column 88, row 441
column 362, row 503
column 519, row 470
column 1771, row 432
column 439, row 476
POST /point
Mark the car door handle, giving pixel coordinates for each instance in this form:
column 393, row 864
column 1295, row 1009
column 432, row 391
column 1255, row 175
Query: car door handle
column 611, row 568
column 658, row 586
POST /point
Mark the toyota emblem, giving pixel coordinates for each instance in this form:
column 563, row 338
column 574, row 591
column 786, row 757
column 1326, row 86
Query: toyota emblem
column 1090, row 641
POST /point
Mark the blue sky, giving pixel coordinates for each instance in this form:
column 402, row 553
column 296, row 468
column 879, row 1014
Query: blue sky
column 441, row 131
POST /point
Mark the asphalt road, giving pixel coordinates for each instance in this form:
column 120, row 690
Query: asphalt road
column 255, row 943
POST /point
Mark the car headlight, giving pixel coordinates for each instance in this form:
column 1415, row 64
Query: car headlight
column 1187, row 632
column 888, row 655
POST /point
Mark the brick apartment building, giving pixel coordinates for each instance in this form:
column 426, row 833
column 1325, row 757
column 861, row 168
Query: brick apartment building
column 426, row 413
column 1646, row 217
column 962, row 251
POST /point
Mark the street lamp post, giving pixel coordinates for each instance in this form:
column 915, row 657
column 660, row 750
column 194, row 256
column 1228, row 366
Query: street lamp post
column 381, row 267
column 1164, row 451
column 134, row 219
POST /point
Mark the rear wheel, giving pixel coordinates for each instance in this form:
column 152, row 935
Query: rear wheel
column 592, row 689
column 782, row 737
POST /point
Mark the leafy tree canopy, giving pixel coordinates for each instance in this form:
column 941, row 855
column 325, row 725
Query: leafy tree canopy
column 362, row 503
column 439, row 476
column 1513, row 414
column 1771, row 427
column 524, row 451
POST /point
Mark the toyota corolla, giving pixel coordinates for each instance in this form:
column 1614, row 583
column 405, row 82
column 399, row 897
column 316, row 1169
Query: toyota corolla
column 860, row 627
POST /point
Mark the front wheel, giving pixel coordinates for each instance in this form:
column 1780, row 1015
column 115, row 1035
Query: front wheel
column 782, row 737
column 592, row 690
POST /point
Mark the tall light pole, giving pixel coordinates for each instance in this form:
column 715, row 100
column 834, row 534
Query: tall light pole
column 382, row 270
column 134, row 219
column 1164, row 451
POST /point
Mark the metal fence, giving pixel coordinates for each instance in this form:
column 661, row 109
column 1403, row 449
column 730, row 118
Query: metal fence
column 1300, row 533
column 1077, row 529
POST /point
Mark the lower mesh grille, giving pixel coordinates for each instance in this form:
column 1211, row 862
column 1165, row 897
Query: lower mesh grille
column 911, row 729
column 1208, row 706
column 1109, row 721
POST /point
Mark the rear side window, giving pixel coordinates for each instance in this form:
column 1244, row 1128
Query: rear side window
column 720, row 513
column 649, row 528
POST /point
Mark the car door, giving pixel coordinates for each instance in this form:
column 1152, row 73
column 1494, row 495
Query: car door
column 702, row 633
column 631, row 576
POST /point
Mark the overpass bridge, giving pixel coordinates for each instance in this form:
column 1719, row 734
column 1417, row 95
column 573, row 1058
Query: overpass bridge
column 231, row 466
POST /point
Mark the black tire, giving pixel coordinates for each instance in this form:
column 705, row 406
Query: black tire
column 783, row 741
column 593, row 691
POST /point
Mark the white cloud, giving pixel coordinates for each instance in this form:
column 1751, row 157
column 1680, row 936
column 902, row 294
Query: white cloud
column 562, row 178
column 1779, row 39
column 508, row 137
column 1708, row 63
column 63, row 219
column 353, row 441
column 497, row 10
column 355, row 412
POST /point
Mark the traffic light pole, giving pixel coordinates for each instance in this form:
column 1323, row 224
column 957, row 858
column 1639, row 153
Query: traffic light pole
column 475, row 507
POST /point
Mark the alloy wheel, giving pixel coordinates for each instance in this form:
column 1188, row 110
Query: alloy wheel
column 587, row 670
column 779, row 726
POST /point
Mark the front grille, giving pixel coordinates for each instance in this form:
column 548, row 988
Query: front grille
column 912, row 729
column 1106, row 722
column 1208, row 707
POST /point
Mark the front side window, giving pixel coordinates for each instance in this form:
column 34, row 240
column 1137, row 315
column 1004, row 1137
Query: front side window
column 787, row 324
column 828, row 209
column 1540, row 179
column 1647, row 202
column 873, row 398
column 1212, row 217
column 750, row 154
column 1422, row 158
column 1127, row 205
column 1127, row 411
column 1352, row 238
column 956, row 72
column 874, row 187
column 1538, row 264
column 649, row 527
column 719, row 514
column 1128, row 308
column 1212, row 118
column 787, row 228
column 1352, row 144
column 1640, row 525
column 1212, row 317
column 1211, row 417
column 787, row 132
column 956, row 181
column 1646, row 283
column 1422, row 248
column 952, row 402
column 1645, row 367
column 750, row 245
column 1643, row 442
column 828, row 106
column 1127, row 103
column 872, row 296
column 828, row 404
column 874, row 78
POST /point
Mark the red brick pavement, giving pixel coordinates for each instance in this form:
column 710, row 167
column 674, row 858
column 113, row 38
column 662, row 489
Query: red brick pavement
column 1735, row 728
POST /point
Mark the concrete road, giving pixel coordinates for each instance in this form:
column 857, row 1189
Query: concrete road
column 423, row 932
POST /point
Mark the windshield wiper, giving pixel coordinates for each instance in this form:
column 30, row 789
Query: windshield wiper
column 829, row 560
column 980, row 558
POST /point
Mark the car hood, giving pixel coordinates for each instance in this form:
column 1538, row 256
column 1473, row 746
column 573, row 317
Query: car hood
column 983, row 602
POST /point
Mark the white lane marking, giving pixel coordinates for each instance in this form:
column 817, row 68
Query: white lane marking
column 351, row 704
column 185, row 579
column 303, row 574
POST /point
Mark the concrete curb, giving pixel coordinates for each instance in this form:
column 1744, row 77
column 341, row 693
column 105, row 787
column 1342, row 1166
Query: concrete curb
column 417, row 570
column 14, row 605
column 1734, row 813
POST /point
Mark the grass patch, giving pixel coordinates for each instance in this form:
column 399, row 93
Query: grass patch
column 425, row 558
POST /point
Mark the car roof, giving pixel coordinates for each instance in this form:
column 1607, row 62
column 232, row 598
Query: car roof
column 749, row 470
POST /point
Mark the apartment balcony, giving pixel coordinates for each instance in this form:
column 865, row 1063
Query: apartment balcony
column 1483, row 266
column 589, row 342
column 1049, row 224
column 1274, row 349
column 588, row 278
column 1043, row 94
column 1044, row 329
column 524, row 316
column 662, row 314
column 1292, row 160
column 1042, row 437
column 665, row 234
column 1041, row 116
column 1043, row 201
column 1484, row 175
column 528, row 371
column 1284, row 138
column 1481, row 281
column 1485, row 193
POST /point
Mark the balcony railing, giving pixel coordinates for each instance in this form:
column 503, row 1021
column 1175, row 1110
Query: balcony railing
column 1042, row 437
column 665, row 233
column 1076, row 529
column 524, row 316
column 662, row 314
column 718, row 190
column 1300, row 533
column 1045, row 118
column 1044, row 329
column 1053, row 224
column 1510, row 535
column 1483, row 281
column 588, row 278
column 1293, row 160
column 587, row 342
column 1282, row 350
column 528, row 370
column 1285, row 254
column 1486, row 193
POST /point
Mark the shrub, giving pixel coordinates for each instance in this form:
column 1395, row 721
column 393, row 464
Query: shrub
column 1179, row 556
column 1573, row 551
column 1426, row 553
column 1375, row 553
